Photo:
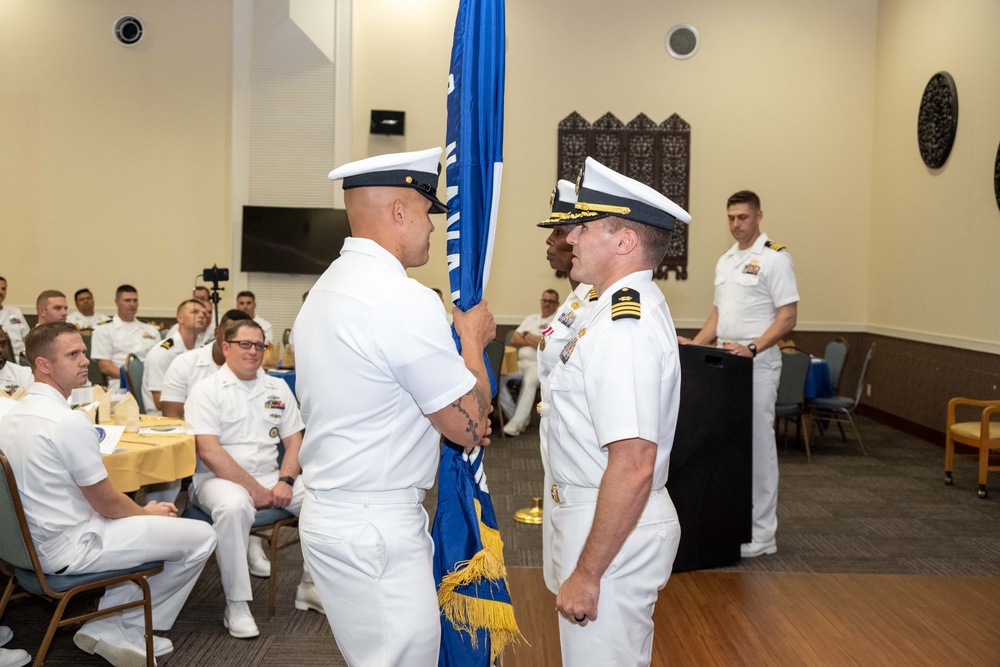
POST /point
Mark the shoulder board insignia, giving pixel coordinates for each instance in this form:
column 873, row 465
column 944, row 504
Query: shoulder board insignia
column 777, row 247
column 103, row 322
column 625, row 304
column 592, row 295
column 167, row 344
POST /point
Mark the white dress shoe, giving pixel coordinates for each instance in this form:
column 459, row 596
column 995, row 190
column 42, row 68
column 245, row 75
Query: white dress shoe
column 6, row 634
column 161, row 645
column 511, row 430
column 110, row 639
column 754, row 549
column 307, row 598
column 13, row 657
column 239, row 621
column 260, row 566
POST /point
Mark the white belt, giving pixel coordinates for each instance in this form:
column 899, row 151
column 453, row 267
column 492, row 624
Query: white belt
column 409, row 496
column 566, row 494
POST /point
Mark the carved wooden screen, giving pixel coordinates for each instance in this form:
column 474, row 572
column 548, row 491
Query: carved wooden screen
column 657, row 155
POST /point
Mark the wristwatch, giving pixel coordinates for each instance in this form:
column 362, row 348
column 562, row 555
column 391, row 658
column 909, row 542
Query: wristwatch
column 753, row 350
column 290, row 481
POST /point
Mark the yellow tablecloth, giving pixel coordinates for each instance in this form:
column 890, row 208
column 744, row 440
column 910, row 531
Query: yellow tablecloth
column 509, row 364
column 150, row 459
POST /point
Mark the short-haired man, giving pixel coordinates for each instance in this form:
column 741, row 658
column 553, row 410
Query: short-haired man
column 13, row 375
column 12, row 321
column 51, row 306
column 756, row 305
column 124, row 334
column 615, row 399
column 85, row 317
column 380, row 383
column 240, row 416
column 526, row 338
column 188, row 368
column 201, row 294
column 78, row 522
column 191, row 322
column 247, row 302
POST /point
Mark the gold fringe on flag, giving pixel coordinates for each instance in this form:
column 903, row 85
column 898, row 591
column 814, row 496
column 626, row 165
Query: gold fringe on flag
column 468, row 614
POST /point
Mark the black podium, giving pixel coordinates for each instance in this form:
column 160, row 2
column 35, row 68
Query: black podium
column 711, row 461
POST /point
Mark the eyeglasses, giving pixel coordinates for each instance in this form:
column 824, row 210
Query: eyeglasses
column 247, row 344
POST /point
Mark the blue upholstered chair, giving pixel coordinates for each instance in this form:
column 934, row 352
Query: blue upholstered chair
column 19, row 561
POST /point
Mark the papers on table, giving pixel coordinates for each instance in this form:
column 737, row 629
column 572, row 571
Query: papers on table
column 165, row 430
column 109, row 436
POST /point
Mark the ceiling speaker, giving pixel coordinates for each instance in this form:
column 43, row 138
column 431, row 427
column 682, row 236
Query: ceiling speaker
column 128, row 30
column 682, row 41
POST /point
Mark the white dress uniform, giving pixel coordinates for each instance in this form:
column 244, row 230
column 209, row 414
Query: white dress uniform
column 267, row 327
column 250, row 422
column 527, row 365
column 81, row 321
column 615, row 380
column 570, row 315
column 114, row 340
column 13, row 322
column 157, row 362
column 186, row 371
column 54, row 451
column 375, row 356
column 201, row 339
column 13, row 376
column 750, row 286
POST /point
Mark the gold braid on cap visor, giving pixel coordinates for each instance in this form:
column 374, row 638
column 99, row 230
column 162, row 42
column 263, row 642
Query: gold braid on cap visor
column 603, row 208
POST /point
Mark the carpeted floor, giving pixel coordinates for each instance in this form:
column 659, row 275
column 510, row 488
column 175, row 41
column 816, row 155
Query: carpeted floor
column 889, row 512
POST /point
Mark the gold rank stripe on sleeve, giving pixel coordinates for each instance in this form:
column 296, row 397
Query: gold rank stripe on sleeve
column 777, row 247
column 625, row 305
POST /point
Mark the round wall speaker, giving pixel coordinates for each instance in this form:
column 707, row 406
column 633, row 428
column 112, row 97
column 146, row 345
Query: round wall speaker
column 128, row 30
column 682, row 41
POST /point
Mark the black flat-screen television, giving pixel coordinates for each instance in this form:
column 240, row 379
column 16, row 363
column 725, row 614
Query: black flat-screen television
column 277, row 239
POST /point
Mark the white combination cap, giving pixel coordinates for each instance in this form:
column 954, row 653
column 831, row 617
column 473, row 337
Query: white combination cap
column 562, row 200
column 417, row 169
column 604, row 193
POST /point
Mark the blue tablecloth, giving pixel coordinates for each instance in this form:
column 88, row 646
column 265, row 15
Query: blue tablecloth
column 289, row 376
column 818, row 383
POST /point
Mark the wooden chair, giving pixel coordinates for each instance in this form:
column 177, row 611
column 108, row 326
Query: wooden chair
column 19, row 561
column 984, row 435
column 267, row 523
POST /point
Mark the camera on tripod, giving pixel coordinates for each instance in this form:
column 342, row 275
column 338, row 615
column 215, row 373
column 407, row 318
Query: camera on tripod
column 215, row 274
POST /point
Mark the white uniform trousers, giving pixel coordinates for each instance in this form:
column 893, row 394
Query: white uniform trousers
column 371, row 558
column 548, row 504
column 622, row 635
column 184, row 546
column 232, row 512
column 525, row 398
column 766, row 373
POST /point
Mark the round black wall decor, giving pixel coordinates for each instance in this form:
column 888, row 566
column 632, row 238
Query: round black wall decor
column 938, row 120
column 996, row 177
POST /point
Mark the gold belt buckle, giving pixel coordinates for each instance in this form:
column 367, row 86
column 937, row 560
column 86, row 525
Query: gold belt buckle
column 538, row 408
column 555, row 493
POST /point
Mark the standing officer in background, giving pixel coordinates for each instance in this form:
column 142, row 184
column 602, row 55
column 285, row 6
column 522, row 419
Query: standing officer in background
column 756, row 305
column 615, row 398
column 573, row 311
column 380, row 383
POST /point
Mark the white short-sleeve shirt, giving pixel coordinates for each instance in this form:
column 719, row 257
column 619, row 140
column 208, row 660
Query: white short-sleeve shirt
column 155, row 370
column 114, row 340
column 53, row 451
column 248, row 422
column 374, row 357
column 81, row 321
column 750, row 286
column 615, row 380
column 267, row 327
column 13, row 376
column 533, row 324
column 13, row 322
column 186, row 371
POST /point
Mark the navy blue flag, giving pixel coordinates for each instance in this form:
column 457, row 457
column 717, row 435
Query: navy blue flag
column 477, row 619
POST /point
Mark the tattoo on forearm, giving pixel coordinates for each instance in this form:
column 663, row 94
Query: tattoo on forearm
column 472, row 426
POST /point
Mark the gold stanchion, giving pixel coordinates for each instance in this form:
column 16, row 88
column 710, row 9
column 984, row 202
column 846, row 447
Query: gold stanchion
column 532, row 515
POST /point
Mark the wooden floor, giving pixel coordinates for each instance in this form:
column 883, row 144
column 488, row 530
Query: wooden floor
column 737, row 618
